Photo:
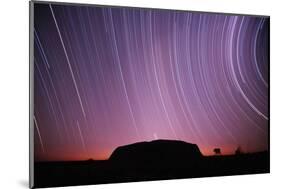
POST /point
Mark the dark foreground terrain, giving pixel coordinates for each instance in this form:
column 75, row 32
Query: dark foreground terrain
column 156, row 160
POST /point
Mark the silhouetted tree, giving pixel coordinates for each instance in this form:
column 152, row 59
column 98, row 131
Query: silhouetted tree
column 217, row 151
column 238, row 151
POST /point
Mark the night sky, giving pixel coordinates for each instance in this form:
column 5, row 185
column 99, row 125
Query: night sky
column 106, row 77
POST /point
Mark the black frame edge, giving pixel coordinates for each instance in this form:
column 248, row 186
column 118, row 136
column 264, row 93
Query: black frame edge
column 31, row 95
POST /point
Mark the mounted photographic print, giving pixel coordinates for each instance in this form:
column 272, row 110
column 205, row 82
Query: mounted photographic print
column 123, row 94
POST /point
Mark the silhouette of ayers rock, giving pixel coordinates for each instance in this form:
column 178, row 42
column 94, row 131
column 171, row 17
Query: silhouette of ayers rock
column 157, row 153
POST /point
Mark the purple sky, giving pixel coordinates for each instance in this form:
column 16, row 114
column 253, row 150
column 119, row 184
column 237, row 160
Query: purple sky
column 105, row 77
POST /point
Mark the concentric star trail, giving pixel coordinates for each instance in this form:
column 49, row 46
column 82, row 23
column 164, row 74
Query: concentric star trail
column 106, row 77
column 69, row 65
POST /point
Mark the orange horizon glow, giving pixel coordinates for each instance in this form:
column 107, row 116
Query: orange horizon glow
column 105, row 155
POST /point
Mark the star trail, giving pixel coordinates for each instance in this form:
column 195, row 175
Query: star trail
column 111, row 76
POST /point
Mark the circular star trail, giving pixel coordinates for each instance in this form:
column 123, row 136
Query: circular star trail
column 105, row 77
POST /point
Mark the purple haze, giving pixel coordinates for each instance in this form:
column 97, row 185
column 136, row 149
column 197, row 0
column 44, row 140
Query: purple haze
column 105, row 77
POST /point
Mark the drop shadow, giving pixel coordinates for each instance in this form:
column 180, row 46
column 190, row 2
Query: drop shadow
column 24, row 183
